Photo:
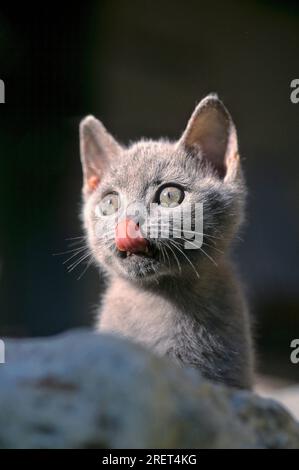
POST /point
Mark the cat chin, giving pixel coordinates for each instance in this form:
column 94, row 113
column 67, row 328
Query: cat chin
column 140, row 268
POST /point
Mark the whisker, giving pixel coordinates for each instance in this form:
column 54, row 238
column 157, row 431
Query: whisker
column 166, row 252
column 85, row 269
column 204, row 243
column 209, row 257
column 172, row 229
column 184, row 254
column 178, row 263
column 160, row 245
column 214, row 248
column 76, row 263
column 68, row 251
column 75, row 254
column 205, row 253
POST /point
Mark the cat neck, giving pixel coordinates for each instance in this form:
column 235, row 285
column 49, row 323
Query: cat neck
column 190, row 287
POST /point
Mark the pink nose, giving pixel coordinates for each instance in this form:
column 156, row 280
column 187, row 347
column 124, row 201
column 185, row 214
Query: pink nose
column 128, row 237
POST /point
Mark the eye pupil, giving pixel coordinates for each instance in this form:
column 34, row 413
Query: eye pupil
column 109, row 204
column 171, row 196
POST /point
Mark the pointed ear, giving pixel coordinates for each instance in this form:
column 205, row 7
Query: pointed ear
column 97, row 148
column 211, row 132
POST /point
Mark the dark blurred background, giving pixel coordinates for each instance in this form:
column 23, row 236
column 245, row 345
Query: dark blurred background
column 141, row 67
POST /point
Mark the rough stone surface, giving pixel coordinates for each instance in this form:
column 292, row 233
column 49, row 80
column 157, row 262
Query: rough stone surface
column 288, row 396
column 83, row 390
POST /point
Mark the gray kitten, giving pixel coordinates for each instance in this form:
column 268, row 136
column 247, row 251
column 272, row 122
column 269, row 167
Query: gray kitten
column 186, row 304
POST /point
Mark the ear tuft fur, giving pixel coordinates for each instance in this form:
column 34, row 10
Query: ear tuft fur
column 211, row 133
column 97, row 147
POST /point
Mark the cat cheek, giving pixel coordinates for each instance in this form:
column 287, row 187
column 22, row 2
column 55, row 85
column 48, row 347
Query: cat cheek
column 93, row 182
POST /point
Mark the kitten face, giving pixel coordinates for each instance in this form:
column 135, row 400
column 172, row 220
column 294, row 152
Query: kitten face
column 158, row 187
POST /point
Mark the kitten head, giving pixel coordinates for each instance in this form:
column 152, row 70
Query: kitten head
column 160, row 208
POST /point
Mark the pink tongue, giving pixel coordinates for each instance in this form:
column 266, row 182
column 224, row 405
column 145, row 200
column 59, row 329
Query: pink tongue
column 128, row 237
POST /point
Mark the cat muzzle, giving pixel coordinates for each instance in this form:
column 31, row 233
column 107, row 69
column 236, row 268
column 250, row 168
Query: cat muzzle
column 128, row 237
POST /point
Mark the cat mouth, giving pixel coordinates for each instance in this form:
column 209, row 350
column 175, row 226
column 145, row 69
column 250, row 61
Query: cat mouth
column 150, row 252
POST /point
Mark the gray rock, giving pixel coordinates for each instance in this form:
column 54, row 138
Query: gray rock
column 84, row 390
column 288, row 396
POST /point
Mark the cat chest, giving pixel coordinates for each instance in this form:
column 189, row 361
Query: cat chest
column 148, row 321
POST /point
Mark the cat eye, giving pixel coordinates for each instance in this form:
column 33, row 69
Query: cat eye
column 170, row 196
column 109, row 204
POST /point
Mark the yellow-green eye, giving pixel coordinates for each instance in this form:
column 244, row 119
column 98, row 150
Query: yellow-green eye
column 109, row 204
column 171, row 196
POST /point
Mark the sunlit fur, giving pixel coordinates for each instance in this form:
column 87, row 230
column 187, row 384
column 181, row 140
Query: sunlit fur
column 185, row 304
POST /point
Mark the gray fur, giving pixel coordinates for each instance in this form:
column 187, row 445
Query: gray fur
column 192, row 311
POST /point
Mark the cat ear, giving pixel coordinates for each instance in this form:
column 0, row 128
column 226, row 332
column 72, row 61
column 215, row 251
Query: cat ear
column 211, row 132
column 97, row 148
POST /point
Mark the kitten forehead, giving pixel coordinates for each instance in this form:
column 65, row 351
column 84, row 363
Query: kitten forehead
column 149, row 154
column 150, row 162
